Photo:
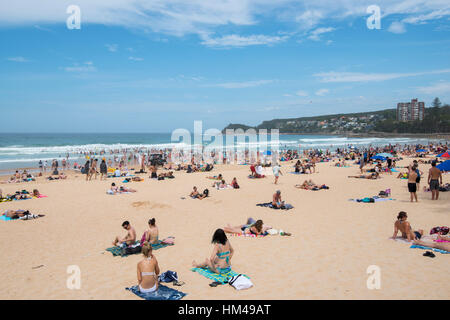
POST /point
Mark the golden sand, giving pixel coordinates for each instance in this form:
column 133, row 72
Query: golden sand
column 333, row 242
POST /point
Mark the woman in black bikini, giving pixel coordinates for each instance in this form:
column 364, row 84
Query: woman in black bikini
column 405, row 228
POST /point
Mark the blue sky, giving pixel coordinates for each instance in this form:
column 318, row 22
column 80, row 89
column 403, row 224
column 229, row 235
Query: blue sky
column 154, row 66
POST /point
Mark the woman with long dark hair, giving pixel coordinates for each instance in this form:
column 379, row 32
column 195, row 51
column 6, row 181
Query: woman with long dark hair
column 220, row 260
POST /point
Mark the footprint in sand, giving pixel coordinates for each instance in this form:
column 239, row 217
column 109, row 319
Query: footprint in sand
column 149, row 204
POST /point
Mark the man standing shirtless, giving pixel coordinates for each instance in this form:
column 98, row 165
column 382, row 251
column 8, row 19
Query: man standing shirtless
column 412, row 183
column 434, row 180
column 130, row 237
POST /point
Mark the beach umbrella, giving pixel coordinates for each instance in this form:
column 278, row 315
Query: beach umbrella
column 444, row 166
column 444, row 155
column 421, row 150
column 377, row 157
column 268, row 153
column 384, row 154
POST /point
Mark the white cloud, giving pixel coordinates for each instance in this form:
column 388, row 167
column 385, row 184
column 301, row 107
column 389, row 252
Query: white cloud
column 18, row 59
column 234, row 40
column 181, row 17
column 135, row 59
column 243, row 84
column 322, row 92
column 437, row 88
column 81, row 68
column 397, row 27
column 366, row 77
column 302, row 93
column 111, row 47
column 315, row 34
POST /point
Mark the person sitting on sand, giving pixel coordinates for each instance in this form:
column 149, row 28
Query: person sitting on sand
column 374, row 175
column 152, row 234
column 405, row 228
column 220, row 260
column 148, row 270
column 194, row 194
column 234, row 183
column 276, row 200
column 36, row 193
column 129, row 238
column 403, row 175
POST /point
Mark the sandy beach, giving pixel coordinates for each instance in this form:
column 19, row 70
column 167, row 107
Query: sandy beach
column 334, row 240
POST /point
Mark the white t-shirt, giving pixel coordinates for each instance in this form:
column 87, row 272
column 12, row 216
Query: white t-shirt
column 276, row 170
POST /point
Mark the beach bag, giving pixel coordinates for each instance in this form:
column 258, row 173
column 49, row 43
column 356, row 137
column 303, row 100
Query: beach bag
column 133, row 250
column 168, row 276
column 240, row 282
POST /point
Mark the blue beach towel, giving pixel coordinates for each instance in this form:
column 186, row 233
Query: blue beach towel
column 163, row 293
column 223, row 278
column 5, row 218
column 415, row 246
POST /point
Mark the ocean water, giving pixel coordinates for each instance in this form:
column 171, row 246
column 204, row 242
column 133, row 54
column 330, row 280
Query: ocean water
column 25, row 150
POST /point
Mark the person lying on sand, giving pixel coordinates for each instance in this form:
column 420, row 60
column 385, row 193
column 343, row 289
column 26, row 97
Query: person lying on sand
column 148, row 270
column 251, row 227
column 219, row 177
column 374, row 175
column 220, row 260
column 152, row 234
column 220, row 185
column 437, row 245
column 405, row 228
column 129, row 238
column 21, row 214
column 256, row 228
column 307, row 185
column 276, row 200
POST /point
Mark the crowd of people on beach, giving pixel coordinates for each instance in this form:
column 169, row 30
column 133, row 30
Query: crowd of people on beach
column 371, row 166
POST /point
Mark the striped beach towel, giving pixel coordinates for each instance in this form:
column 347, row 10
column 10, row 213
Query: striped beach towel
column 223, row 278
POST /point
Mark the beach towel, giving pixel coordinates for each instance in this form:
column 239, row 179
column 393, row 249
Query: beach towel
column 367, row 199
column 293, row 172
column 248, row 235
column 222, row 278
column 120, row 251
column 287, row 206
column 5, row 218
column 415, row 246
column 163, row 293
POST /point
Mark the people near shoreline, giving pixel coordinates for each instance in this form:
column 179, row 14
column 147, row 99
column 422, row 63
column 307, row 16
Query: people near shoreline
column 103, row 170
column 220, row 260
column 148, row 270
column 87, row 169
column 403, row 226
column 434, row 180
column 129, row 238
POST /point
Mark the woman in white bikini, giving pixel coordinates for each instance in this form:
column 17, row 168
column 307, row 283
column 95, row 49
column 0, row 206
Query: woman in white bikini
column 148, row 270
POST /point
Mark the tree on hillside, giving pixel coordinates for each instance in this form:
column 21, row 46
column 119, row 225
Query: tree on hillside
column 436, row 103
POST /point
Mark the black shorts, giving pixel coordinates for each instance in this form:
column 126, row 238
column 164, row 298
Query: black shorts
column 412, row 187
column 418, row 235
column 434, row 184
